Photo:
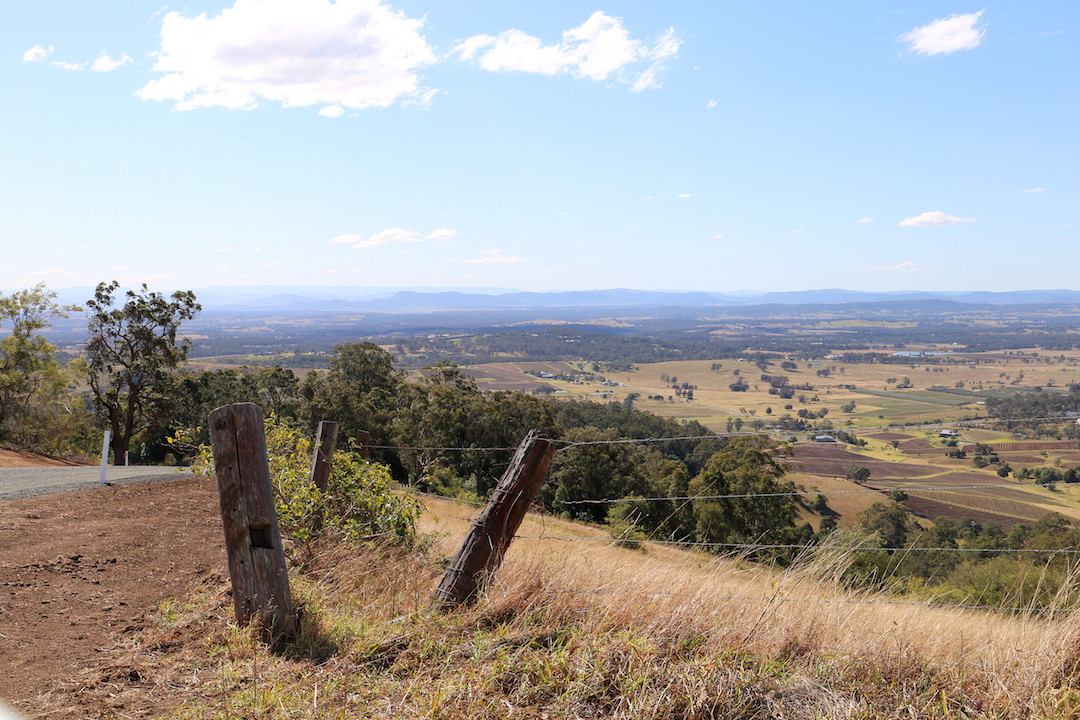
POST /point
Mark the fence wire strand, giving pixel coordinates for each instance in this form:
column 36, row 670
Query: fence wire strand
column 794, row 546
column 795, row 493
column 777, row 432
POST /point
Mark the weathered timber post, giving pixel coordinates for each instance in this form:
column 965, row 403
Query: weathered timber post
column 363, row 440
column 256, row 559
column 493, row 530
column 325, row 442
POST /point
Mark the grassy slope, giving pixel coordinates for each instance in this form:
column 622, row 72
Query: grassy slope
column 583, row 629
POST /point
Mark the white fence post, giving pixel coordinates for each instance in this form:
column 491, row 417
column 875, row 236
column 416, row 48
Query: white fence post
column 104, row 456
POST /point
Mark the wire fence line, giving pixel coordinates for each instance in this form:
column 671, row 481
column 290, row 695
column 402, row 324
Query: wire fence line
column 441, row 449
column 794, row 493
column 568, row 444
column 775, row 598
column 794, row 546
column 758, row 546
column 447, row 497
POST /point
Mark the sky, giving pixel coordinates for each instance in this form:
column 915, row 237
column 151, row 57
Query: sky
column 713, row 146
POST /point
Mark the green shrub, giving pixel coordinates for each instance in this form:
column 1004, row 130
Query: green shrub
column 361, row 501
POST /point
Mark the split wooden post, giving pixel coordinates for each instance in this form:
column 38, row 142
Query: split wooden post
column 325, row 441
column 363, row 440
column 493, row 530
column 256, row 559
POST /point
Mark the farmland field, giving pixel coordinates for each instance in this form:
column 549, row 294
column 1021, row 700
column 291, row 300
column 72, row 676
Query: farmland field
column 822, row 467
column 937, row 392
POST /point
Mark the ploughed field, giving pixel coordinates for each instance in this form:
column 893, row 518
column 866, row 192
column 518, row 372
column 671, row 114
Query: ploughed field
column 936, row 485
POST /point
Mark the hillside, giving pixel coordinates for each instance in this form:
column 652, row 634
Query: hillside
column 138, row 626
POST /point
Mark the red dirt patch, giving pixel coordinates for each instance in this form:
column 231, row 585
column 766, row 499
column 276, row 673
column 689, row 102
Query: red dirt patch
column 886, row 436
column 834, row 461
column 930, row 508
column 80, row 573
column 1041, row 445
column 921, row 446
column 1021, row 459
column 18, row 458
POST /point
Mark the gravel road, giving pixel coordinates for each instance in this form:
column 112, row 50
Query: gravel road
column 30, row 481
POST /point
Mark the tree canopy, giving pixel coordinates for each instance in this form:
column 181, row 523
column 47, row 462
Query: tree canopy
column 132, row 349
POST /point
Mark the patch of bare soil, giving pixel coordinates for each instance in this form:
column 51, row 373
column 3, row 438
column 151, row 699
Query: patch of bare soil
column 80, row 574
column 18, row 458
column 835, row 461
column 886, row 436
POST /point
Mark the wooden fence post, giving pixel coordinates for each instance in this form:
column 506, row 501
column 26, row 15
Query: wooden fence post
column 325, row 442
column 363, row 440
column 493, row 530
column 256, row 559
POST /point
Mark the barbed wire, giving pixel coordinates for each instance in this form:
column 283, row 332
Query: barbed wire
column 793, row 546
column 568, row 444
column 447, row 497
column 795, row 493
column 440, row 449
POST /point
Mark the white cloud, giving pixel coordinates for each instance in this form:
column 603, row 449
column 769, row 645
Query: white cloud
column 102, row 63
column 866, row 221
column 1033, row 190
column 37, row 54
column 597, row 49
column 105, row 63
column 393, row 235
column 332, row 111
column 397, row 235
column 683, row 195
column 906, row 266
column 351, row 54
column 934, row 217
column 945, row 35
column 716, row 237
column 347, row 239
column 712, row 103
column 441, row 234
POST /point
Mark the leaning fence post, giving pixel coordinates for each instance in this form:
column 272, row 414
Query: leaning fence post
column 493, row 530
column 324, row 453
column 256, row 559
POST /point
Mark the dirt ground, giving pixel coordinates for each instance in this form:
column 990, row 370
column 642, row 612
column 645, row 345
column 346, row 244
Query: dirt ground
column 80, row 573
column 17, row 458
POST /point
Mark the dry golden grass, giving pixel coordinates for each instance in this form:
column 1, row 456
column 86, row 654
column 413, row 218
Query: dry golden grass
column 577, row 629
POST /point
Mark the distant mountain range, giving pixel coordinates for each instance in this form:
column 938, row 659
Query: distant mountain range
column 411, row 301
column 317, row 299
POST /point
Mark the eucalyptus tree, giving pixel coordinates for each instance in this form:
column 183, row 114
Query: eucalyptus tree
column 131, row 354
column 32, row 383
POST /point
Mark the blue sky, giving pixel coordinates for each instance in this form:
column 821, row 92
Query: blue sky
column 540, row 146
